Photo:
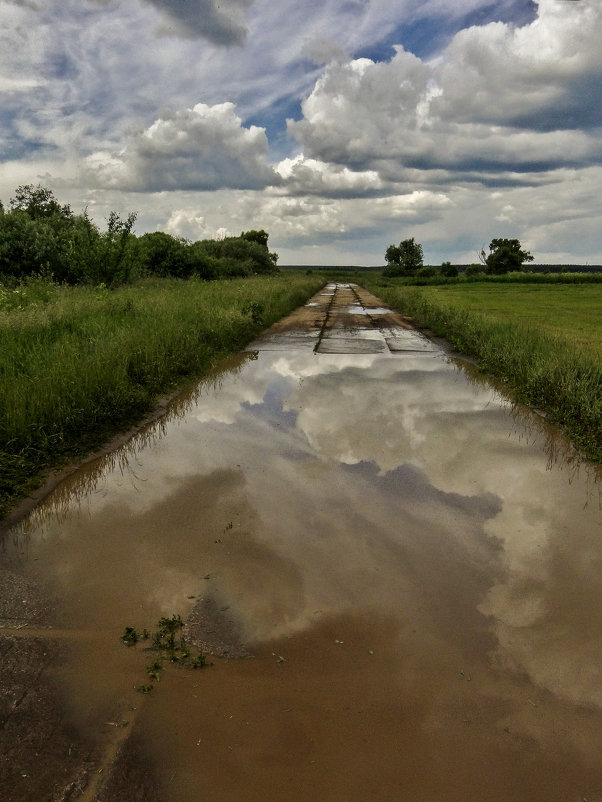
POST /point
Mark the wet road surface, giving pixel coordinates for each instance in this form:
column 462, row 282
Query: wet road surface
column 414, row 568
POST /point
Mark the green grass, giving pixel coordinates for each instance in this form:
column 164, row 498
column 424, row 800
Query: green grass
column 518, row 277
column 544, row 341
column 79, row 364
column 573, row 312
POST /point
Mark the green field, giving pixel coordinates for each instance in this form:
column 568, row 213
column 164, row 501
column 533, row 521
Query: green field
column 77, row 364
column 543, row 341
column 570, row 311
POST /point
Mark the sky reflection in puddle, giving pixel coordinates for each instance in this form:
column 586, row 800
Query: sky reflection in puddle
column 393, row 484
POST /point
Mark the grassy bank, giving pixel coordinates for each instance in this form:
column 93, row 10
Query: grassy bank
column 544, row 341
column 78, row 364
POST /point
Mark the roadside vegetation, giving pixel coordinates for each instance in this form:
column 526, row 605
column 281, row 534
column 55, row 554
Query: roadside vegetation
column 39, row 236
column 80, row 363
column 543, row 340
column 96, row 324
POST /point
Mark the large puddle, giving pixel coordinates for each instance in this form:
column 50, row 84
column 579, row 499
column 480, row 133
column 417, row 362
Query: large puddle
column 413, row 565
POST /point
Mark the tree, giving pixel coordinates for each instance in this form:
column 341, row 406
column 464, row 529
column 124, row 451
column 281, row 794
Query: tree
column 164, row 255
column 261, row 237
column 115, row 255
column 39, row 202
column 403, row 259
column 504, row 255
column 448, row 270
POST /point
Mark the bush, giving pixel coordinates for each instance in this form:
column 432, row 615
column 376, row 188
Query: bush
column 38, row 235
column 448, row 270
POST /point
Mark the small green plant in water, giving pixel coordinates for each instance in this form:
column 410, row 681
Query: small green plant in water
column 164, row 642
column 131, row 636
column 154, row 670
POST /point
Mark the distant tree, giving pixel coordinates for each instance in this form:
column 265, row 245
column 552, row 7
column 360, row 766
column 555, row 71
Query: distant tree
column 260, row 236
column 403, row 259
column 504, row 255
column 393, row 255
column 242, row 255
column 448, row 270
column 39, row 202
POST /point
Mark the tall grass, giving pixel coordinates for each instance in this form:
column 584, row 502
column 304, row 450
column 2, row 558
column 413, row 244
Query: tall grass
column 545, row 371
column 77, row 364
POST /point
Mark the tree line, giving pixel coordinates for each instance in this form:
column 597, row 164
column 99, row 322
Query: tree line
column 406, row 259
column 40, row 236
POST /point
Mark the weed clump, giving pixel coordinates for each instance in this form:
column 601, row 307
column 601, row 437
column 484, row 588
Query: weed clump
column 171, row 649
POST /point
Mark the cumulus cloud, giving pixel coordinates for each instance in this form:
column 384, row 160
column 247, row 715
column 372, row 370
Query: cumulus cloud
column 312, row 177
column 191, row 225
column 386, row 147
column 498, row 98
column 532, row 76
column 203, row 148
column 219, row 21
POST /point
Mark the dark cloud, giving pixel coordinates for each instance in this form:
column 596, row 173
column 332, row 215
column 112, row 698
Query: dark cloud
column 24, row 4
column 219, row 21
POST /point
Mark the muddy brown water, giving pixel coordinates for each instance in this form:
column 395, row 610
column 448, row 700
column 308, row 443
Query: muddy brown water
column 398, row 574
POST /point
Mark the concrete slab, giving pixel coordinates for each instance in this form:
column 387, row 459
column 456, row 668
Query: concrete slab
column 351, row 345
column 285, row 342
column 343, row 319
column 342, row 330
column 411, row 343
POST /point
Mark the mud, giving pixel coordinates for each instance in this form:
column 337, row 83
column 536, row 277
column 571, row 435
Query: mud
column 396, row 574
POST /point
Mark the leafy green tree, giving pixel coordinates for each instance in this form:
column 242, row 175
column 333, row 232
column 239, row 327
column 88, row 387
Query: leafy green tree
column 448, row 270
column 504, row 256
column 164, row 255
column 81, row 248
column 241, row 256
column 39, row 236
column 260, row 237
column 403, row 259
column 116, row 253
column 393, row 255
column 35, row 234
column 38, row 202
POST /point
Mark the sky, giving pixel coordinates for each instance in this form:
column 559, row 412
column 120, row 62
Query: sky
column 338, row 126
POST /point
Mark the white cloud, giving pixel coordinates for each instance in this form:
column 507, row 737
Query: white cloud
column 404, row 146
column 191, row 225
column 526, row 76
column 10, row 85
column 497, row 98
column 312, row 177
column 203, row 148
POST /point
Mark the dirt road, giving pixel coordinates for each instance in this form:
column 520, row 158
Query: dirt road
column 397, row 576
